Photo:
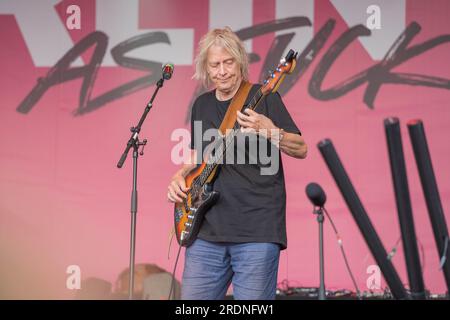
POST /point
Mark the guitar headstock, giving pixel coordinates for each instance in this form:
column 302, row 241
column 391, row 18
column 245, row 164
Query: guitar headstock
column 286, row 65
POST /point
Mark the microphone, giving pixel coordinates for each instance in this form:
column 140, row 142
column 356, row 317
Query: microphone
column 316, row 194
column 167, row 71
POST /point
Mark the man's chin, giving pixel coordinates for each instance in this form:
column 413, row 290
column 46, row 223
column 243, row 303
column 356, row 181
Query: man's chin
column 224, row 89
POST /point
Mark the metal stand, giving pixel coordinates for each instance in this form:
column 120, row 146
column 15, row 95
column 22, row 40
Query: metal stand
column 320, row 220
column 134, row 143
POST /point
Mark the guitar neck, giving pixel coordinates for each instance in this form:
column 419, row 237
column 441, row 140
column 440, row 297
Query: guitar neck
column 215, row 160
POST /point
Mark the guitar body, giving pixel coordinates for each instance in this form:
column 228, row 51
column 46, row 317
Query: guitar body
column 189, row 215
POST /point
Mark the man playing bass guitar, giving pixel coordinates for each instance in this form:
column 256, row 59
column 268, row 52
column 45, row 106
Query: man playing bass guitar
column 242, row 232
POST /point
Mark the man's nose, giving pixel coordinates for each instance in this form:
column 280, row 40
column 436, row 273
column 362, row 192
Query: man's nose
column 222, row 69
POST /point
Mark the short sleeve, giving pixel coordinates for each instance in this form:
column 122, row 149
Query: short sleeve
column 278, row 113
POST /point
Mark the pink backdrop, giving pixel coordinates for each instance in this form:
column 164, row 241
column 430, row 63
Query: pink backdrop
column 63, row 201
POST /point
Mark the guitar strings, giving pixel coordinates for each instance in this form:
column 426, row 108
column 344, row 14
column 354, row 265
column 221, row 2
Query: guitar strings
column 206, row 172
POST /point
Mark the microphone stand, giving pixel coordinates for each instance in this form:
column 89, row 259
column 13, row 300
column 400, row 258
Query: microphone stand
column 134, row 143
column 320, row 220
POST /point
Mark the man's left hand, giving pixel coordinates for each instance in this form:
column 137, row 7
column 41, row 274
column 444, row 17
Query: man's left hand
column 251, row 121
column 292, row 144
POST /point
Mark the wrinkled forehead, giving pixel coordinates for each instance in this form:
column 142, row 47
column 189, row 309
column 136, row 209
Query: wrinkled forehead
column 218, row 53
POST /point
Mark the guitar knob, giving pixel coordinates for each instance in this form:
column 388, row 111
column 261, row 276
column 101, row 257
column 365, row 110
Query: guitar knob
column 207, row 188
column 183, row 235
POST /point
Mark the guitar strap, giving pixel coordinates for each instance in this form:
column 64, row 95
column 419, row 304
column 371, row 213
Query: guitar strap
column 236, row 104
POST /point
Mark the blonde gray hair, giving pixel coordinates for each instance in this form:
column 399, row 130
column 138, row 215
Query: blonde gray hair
column 226, row 39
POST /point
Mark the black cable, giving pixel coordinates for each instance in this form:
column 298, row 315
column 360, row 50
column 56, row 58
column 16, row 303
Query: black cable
column 422, row 253
column 358, row 294
column 173, row 274
column 393, row 251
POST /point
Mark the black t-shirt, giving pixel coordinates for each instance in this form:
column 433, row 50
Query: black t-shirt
column 252, row 205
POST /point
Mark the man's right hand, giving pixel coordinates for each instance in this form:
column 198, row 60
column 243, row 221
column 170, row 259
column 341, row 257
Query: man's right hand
column 177, row 189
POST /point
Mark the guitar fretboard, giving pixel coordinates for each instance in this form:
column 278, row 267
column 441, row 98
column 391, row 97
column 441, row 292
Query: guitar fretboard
column 220, row 151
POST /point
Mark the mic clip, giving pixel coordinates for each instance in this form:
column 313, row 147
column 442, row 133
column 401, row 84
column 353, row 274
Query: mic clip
column 318, row 210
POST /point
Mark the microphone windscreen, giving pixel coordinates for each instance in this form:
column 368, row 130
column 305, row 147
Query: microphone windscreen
column 316, row 194
column 167, row 71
